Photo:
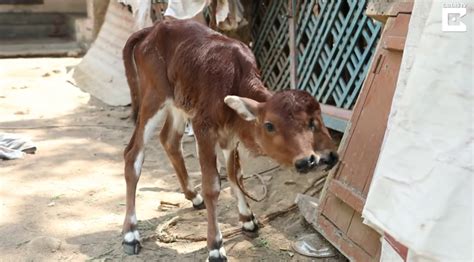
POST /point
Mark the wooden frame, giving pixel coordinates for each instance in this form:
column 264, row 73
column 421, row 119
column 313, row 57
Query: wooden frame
column 343, row 198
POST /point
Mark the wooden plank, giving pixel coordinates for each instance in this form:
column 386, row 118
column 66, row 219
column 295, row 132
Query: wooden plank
column 394, row 43
column 364, row 236
column 339, row 213
column 337, row 238
column 335, row 123
column 348, row 195
column 336, row 112
column 382, row 10
column 369, row 129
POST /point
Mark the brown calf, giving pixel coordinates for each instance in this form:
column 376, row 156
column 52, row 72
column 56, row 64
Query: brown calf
column 179, row 70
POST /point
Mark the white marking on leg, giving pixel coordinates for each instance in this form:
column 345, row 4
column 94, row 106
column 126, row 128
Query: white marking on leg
column 138, row 163
column 226, row 153
column 136, row 234
column 219, row 167
column 133, row 219
column 179, row 119
column 249, row 225
column 219, row 235
column 241, row 201
column 131, row 236
column 150, row 128
column 197, row 200
column 216, row 253
column 153, row 122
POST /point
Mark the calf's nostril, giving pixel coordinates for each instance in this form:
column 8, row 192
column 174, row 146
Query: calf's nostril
column 305, row 164
column 301, row 163
column 312, row 160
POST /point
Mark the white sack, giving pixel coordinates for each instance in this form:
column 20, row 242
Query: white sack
column 421, row 192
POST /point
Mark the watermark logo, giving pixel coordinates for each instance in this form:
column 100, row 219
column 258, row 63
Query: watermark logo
column 451, row 17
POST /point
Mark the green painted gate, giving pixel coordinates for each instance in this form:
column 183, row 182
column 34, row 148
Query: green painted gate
column 334, row 43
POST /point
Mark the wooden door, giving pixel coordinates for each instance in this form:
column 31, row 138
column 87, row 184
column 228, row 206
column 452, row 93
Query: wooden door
column 339, row 215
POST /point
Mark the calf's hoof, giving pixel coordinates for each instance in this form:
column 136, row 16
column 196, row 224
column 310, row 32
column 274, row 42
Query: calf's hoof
column 131, row 248
column 217, row 255
column 131, row 243
column 200, row 206
column 198, row 202
column 251, row 225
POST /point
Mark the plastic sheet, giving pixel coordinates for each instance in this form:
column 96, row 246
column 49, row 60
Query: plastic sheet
column 313, row 245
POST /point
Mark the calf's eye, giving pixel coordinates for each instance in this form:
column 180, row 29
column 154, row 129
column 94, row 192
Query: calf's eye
column 312, row 125
column 269, row 127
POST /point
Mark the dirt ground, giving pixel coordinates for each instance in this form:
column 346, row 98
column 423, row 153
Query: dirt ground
column 66, row 202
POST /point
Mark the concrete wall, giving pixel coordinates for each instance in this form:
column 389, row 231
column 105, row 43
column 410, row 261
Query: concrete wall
column 88, row 28
column 61, row 6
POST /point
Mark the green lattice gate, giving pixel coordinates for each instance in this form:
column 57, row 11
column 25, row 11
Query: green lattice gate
column 334, row 43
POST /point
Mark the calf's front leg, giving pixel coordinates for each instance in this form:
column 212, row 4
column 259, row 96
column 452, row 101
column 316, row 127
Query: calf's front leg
column 234, row 173
column 211, row 187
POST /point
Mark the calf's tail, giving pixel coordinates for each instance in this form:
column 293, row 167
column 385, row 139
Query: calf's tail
column 131, row 68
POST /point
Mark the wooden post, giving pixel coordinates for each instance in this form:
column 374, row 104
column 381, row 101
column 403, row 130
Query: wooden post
column 292, row 43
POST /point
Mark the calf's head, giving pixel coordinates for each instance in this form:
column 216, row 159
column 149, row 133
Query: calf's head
column 289, row 128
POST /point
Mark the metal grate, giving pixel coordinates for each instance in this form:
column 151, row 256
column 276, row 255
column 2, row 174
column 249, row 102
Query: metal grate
column 271, row 49
column 334, row 41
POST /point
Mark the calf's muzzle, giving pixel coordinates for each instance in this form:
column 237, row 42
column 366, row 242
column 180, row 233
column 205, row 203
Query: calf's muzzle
column 330, row 160
column 306, row 164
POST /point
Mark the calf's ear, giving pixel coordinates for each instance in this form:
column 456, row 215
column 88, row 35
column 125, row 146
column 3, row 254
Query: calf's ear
column 246, row 108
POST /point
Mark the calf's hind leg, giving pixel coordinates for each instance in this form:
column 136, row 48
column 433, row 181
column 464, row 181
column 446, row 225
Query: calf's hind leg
column 150, row 115
column 170, row 138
